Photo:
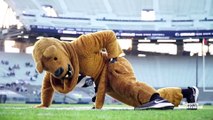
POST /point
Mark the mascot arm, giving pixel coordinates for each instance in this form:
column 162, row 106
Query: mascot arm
column 100, row 95
column 97, row 41
column 46, row 92
column 101, row 91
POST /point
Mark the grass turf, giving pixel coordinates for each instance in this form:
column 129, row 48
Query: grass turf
column 26, row 112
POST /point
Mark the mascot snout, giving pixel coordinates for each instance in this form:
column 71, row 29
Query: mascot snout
column 58, row 72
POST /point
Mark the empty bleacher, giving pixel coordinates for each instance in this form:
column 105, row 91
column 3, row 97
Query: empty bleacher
column 167, row 71
column 19, row 67
column 176, row 14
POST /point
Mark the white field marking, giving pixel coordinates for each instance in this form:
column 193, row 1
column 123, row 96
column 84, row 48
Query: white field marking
column 15, row 108
column 90, row 108
column 190, row 106
column 180, row 107
column 68, row 108
column 21, row 114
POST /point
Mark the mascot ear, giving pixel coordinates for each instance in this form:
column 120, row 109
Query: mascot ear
column 39, row 67
column 50, row 51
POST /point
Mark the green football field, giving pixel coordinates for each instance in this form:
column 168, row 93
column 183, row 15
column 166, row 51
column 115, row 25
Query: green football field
column 109, row 112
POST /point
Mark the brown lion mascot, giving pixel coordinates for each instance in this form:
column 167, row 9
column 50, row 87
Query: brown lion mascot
column 98, row 55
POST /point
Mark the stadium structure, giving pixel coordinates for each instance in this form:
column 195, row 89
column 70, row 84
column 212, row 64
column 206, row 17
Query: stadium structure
column 168, row 42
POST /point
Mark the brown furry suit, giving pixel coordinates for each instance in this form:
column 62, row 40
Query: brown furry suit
column 85, row 55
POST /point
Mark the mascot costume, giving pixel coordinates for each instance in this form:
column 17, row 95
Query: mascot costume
column 98, row 55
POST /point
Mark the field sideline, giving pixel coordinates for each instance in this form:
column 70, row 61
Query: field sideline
column 109, row 112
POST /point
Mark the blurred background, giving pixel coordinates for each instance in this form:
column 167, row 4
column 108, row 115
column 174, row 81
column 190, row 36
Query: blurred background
column 168, row 42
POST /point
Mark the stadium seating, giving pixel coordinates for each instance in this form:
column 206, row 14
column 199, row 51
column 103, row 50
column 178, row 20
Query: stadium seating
column 19, row 69
column 87, row 14
column 158, row 70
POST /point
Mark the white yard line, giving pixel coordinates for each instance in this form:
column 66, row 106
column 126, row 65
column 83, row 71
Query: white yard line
column 90, row 108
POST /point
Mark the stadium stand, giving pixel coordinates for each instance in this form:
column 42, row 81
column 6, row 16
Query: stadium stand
column 8, row 96
column 13, row 70
column 95, row 14
column 158, row 70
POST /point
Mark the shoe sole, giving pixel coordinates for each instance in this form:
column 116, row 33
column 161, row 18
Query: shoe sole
column 164, row 106
column 152, row 108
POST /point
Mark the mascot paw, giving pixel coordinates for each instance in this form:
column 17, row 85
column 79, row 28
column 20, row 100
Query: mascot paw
column 39, row 106
column 96, row 108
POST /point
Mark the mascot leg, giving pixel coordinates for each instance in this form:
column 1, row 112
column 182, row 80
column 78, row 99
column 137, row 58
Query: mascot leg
column 172, row 94
column 175, row 94
column 123, row 85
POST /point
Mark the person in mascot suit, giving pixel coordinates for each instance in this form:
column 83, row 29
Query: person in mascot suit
column 97, row 55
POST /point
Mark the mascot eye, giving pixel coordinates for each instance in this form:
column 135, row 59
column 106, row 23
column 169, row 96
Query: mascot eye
column 55, row 58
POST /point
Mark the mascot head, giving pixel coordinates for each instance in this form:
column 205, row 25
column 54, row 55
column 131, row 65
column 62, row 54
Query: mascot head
column 49, row 55
column 58, row 59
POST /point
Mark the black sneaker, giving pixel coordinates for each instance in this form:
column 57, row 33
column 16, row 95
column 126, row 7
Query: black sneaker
column 194, row 96
column 158, row 104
